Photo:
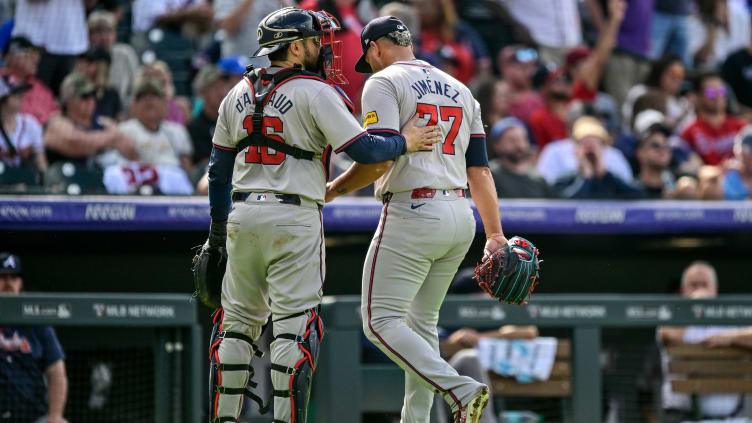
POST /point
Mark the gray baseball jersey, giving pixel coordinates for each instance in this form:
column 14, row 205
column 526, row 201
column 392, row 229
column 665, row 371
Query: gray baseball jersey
column 304, row 112
column 390, row 99
column 420, row 242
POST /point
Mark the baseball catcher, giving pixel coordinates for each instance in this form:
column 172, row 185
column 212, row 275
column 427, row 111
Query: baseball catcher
column 510, row 274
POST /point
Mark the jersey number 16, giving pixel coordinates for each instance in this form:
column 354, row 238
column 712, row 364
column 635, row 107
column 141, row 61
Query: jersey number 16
column 260, row 154
column 445, row 112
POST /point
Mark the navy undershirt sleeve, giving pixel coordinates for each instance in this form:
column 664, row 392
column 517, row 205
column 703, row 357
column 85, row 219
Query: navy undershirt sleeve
column 221, row 164
column 377, row 147
column 51, row 349
column 476, row 154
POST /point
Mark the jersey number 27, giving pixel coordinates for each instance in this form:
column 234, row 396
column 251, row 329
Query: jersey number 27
column 445, row 113
column 260, row 154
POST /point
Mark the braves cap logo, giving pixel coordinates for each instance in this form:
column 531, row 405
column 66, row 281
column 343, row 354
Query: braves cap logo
column 10, row 263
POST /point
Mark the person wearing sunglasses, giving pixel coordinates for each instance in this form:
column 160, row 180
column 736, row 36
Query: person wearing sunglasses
column 517, row 66
column 77, row 134
column 712, row 133
column 20, row 62
column 654, row 157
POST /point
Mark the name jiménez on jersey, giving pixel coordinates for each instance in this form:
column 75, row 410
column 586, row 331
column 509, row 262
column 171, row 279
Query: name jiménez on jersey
column 427, row 86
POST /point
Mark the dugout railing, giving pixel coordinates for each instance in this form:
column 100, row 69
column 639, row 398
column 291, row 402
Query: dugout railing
column 164, row 325
column 340, row 393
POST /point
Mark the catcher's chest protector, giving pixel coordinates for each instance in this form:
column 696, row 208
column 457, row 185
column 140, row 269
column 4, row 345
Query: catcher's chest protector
column 264, row 85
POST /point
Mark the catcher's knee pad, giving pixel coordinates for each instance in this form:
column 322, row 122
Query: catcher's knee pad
column 230, row 370
column 294, row 352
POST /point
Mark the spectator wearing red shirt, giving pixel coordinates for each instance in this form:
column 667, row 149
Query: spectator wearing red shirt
column 517, row 65
column 448, row 43
column 351, row 14
column 712, row 134
column 21, row 62
column 547, row 123
column 586, row 66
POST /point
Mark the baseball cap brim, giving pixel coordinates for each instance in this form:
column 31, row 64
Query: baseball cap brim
column 362, row 66
column 266, row 50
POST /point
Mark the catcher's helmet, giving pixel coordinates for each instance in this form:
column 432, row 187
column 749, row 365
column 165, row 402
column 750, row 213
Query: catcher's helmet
column 284, row 26
column 290, row 24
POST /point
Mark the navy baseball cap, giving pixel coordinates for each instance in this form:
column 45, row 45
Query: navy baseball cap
column 374, row 30
column 10, row 264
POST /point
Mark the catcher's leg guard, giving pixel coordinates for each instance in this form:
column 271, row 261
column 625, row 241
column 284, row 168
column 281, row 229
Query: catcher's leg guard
column 294, row 354
column 230, row 370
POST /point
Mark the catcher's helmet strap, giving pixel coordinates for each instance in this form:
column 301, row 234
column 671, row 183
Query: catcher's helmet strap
column 263, row 85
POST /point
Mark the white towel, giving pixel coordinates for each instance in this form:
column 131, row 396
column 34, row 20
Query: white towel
column 525, row 360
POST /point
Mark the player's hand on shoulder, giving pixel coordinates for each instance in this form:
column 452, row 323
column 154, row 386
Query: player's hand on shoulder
column 420, row 138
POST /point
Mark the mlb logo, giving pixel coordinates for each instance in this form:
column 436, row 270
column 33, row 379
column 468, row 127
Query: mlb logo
column 261, row 197
column 445, row 192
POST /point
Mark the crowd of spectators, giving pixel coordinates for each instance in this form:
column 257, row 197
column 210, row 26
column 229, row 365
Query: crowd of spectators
column 597, row 99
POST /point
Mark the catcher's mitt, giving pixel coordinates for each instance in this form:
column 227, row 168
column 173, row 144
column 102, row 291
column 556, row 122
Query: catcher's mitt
column 510, row 273
column 208, row 271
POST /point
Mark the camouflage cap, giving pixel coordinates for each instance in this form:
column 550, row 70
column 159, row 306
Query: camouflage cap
column 75, row 85
column 148, row 86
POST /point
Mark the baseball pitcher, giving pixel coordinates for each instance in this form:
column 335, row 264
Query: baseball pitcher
column 427, row 224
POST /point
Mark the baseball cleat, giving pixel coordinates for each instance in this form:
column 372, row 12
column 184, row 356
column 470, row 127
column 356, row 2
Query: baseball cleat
column 471, row 413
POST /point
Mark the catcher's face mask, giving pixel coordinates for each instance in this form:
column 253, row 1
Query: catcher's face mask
column 330, row 57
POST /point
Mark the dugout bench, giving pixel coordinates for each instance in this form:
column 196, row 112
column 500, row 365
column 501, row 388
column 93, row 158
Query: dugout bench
column 709, row 371
column 344, row 387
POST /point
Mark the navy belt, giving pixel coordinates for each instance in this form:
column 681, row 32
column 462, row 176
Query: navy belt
column 293, row 199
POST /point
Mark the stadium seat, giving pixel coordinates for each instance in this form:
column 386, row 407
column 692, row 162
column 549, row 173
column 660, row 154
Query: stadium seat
column 68, row 178
column 177, row 52
column 17, row 179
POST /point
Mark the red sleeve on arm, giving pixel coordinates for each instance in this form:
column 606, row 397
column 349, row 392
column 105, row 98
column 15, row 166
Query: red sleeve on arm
column 686, row 135
column 538, row 129
column 581, row 92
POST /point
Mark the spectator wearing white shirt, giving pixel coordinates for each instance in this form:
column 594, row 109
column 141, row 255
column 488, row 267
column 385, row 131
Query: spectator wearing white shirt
column 171, row 13
column 125, row 64
column 164, row 149
column 558, row 159
column 721, row 28
column 591, row 178
column 21, row 139
column 158, row 142
column 554, row 24
column 699, row 280
column 58, row 26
